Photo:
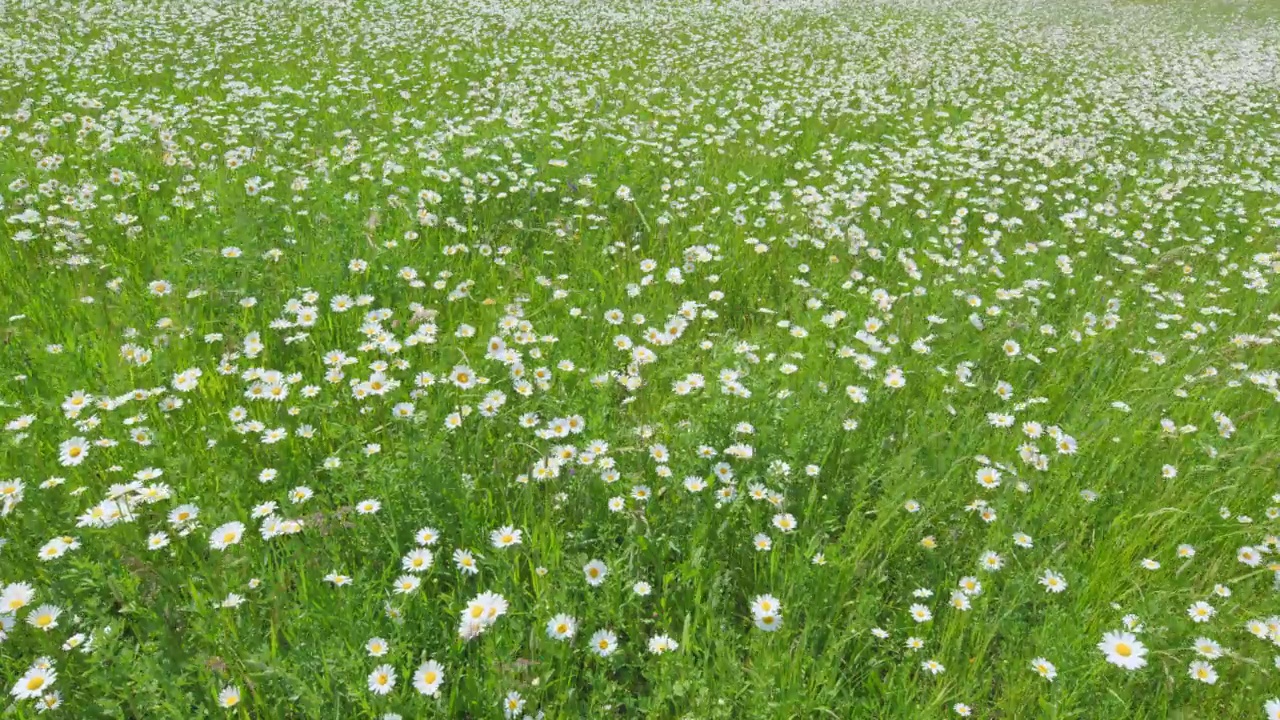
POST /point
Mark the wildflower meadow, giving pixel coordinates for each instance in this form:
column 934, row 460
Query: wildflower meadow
column 706, row 359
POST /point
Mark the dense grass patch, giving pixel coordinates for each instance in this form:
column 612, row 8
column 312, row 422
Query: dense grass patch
column 377, row 359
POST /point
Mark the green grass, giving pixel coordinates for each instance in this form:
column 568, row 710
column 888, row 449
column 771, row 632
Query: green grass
column 821, row 166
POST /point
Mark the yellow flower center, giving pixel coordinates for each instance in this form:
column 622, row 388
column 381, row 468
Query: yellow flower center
column 1123, row 650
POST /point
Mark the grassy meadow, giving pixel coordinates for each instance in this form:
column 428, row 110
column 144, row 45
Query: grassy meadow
column 409, row 359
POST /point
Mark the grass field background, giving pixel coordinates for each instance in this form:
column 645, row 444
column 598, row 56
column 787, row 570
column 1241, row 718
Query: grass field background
column 866, row 307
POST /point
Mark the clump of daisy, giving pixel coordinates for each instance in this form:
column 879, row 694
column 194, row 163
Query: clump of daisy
column 766, row 612
column 481, row 613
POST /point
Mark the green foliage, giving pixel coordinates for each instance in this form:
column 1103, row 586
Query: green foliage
column 877, row 250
